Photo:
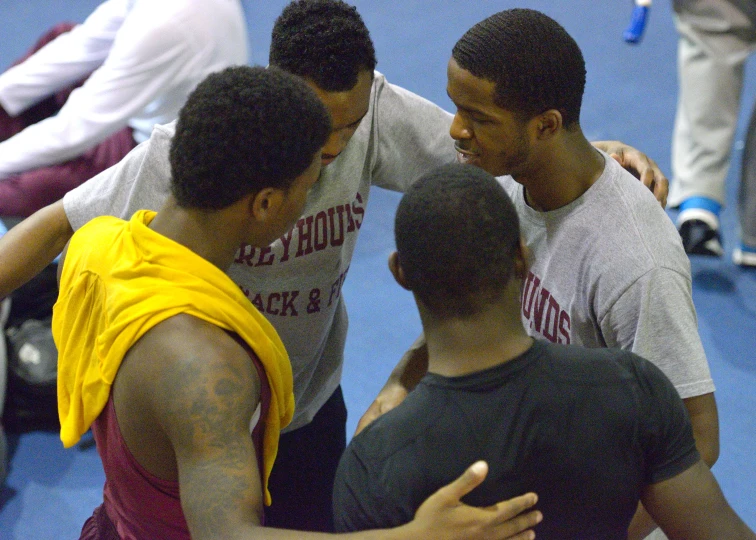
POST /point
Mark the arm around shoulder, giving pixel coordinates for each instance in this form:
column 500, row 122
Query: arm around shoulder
column 444, row 517
column 31, row 245
column 204, row 403
column 640, row 165
column 411, row 368
column 412, row 136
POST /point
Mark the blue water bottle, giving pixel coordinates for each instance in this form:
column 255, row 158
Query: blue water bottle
column 634, row 32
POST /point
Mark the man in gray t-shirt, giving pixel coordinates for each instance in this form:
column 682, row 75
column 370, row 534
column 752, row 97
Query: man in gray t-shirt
column 608, row 265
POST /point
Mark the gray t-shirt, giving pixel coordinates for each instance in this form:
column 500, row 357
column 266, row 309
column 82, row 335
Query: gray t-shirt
column 609, row 270
column 296, row 281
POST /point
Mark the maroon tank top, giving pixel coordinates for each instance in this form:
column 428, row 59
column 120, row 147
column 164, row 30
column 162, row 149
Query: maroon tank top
column 139, row 504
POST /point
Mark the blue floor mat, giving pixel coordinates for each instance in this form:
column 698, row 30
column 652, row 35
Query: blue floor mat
column 630, row 96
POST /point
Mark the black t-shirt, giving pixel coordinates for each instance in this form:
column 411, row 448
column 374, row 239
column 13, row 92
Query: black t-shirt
column 585, row 429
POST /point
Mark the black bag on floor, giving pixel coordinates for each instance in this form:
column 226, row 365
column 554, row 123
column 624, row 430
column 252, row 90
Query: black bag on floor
column 31, row 396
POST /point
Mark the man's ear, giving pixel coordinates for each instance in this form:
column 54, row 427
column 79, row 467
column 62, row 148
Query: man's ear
column 265, row 204
column 548, row 124
column 396, row 270
column 521, row 260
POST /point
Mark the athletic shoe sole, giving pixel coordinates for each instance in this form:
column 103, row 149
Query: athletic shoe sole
column 744, row 258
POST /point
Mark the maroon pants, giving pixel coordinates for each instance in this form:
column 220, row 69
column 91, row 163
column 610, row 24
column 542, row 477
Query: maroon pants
column 99, row 527
column 23, row 194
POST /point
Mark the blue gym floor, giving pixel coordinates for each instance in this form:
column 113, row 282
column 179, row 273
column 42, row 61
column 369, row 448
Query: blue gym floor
column 630, row 96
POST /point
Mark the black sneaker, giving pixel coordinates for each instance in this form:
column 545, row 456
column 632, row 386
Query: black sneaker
column 699, row 230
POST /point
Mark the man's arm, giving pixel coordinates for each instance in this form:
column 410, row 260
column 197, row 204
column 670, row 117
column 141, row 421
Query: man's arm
column 411, row 368
column 411, row 136
column 656, row 319
column 691, row 506
column 444, row 517
column 69, row 58
column 203, row 397
column 640, row 165
column 31, row 245
column 663, row 329
column 204, row 400
column 139, row 180
column 705, row 421
column 671, row 427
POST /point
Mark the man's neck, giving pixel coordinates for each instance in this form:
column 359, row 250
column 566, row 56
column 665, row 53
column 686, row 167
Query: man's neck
column 564, row 173
column 206, row 234
column 459, row 347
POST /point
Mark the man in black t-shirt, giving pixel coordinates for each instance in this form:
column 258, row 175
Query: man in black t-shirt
column 592, row 432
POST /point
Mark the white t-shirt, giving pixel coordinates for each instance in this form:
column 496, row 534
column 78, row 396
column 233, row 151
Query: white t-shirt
column 143, row 58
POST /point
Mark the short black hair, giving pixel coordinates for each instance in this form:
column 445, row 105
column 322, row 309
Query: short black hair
column 456, row 232
column 532, row 60
column 241, row 130
column 325, row 41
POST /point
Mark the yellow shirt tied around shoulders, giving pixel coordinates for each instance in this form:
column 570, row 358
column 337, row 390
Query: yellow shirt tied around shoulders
column 119, row 280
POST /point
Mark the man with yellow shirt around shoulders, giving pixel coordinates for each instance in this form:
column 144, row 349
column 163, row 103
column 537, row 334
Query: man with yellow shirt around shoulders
column 184, row 384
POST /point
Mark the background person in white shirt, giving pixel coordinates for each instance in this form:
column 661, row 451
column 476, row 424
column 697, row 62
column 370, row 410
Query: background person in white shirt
column 139, row 59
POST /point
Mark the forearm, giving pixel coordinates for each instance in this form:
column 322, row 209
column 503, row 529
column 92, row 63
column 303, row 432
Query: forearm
column 403, row 379
column 113, row 95
column 704, row 418
column 442, row 516
column 269, row 533
column 49, row 70
column 691, row 506
column 31, row 245
column 641, row 525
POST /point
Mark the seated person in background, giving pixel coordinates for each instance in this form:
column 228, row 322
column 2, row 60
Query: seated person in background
column 591, row 431
column 162, row 355
column 608, row 267
column 140, row 60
